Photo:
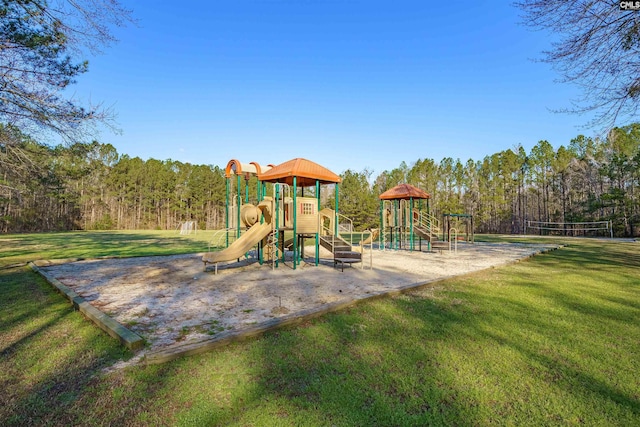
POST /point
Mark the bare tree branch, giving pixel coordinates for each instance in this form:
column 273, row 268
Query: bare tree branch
column 41, row 48
column 597, row 49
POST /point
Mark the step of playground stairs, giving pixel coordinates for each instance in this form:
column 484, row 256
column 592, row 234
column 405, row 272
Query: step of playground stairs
column 348, row 256
column 439, row 244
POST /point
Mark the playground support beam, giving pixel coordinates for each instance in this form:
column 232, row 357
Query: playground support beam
column 337, row 204
column 246, row 188
column 396, row 222
column 411, row 222
column 382, row 227
column 226, row 221
column 239, row 206
column 317, row 229
column 276, row 190
column 261, row 191
column 295, row 235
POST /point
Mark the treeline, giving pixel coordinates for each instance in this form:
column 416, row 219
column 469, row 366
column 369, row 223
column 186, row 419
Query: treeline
column 590, row 179
column 91, row 186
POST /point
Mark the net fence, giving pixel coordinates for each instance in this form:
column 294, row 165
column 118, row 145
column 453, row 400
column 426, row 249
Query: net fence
column 586, row 228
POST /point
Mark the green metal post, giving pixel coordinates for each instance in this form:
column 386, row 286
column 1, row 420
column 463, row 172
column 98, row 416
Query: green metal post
column 226, row 208
column 277, row 226
column 411, row 222
column 396, row 207
column 337, row 204
column 260, row 247
column 445, row 227
column 259, row 191
column 295, row 235
column 284, row 221
column 239, row 205
column 403, row 225
column 430, row 226
column 382, row 230
column 317, row 230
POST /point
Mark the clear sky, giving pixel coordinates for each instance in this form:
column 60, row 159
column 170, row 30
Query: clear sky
column 349, row 84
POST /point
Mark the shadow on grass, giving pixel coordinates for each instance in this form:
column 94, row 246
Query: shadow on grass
column 467, row 356
column 49, row 353
column 360, row 375
column 32, row 247
column 518, row 345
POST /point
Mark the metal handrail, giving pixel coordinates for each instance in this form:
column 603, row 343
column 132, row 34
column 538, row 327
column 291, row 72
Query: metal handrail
column 327, row 231
column 285, row 193
column 330, row 231
column 453, row 235
column 338, row 215
column 362, row 246
column 428, row 222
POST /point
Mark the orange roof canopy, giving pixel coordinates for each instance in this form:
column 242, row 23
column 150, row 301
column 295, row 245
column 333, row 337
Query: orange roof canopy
column 305, row 171
column 404, row 191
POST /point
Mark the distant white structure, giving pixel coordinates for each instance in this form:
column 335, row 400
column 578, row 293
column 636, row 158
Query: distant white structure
column 188, row 227
column 571, row 228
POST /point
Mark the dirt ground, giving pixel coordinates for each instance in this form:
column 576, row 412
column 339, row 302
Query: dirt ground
column 171, row 299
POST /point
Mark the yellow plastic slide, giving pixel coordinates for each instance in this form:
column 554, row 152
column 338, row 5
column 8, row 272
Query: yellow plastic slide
column 375, row 232
column 256, row 233
column 249, row 239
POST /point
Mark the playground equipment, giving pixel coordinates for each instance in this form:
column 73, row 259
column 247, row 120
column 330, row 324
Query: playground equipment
column 256, row 233
column 374, row 233
column 403, row 220
column 464, row 220
column 451, row 244
column 284, row 220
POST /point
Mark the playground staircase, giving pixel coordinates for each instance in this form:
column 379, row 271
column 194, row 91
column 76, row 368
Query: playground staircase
column 424, row 233
column 335, row 244
column 426, row 226
column 341, row 250
column 440, row 245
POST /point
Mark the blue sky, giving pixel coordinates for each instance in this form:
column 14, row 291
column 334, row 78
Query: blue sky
column 348, row 84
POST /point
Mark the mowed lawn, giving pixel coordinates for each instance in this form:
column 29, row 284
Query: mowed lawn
column 552, row 340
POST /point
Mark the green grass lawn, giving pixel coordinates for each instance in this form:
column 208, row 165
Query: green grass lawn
column 553, row 340
column 21, row 248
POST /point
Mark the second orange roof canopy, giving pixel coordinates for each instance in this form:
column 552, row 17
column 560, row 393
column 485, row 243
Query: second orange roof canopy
column 404, row 191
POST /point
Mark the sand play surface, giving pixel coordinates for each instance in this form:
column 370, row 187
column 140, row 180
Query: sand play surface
column 170, row 301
